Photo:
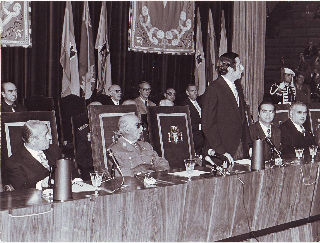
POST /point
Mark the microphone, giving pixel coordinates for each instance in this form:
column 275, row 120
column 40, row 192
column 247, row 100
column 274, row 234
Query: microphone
column 114, row 160
column 208, row 159
column 221, row 157
column 271, row 144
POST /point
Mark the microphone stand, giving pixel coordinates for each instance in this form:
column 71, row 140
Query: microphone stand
column 116, row 164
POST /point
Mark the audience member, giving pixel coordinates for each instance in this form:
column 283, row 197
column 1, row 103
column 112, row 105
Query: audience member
column 135, row 156
column 170, row 96
column 285, row 92
column 194, row 104
column 294, row 132
column 317, row 13
column 315, row 86
column 143, row 100
column 34, row 161
column 113, row 97
column 223, row 117
column 9, row 95
column 303, row 93
column 264, row 128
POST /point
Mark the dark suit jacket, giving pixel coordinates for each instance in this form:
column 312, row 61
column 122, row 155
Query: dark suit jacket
column 105, row 100
column 224, row 123
column 198, row 138
column 291, row 138
column 6, row 108
column 24, row 171
column 256, row 132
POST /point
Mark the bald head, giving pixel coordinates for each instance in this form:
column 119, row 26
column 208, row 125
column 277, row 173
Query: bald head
column 115, row 92
column 130, row 127
column 9, row 92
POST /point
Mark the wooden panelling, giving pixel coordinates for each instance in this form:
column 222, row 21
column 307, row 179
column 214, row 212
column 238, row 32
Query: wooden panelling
column 205, row 209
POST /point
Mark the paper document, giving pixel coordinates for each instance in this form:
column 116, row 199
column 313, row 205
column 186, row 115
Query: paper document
column 188, row 174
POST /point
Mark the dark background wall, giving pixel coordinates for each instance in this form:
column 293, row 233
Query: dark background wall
column 37, row 70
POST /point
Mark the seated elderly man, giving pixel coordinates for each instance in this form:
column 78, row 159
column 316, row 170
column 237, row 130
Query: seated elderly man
column 33, row 162
column 132, row 155
column 170, row 96
column 293, row 133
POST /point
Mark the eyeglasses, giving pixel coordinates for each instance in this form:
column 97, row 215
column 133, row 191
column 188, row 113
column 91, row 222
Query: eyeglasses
column 117, row 91
column 169, row 93
column 146, row 89
column 139, row 124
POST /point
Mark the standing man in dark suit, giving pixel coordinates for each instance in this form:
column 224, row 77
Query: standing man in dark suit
column 9, row 95
column 195, row 114
column 294, row 134
column 113, row 98
column 224, row 121
column 264, row 128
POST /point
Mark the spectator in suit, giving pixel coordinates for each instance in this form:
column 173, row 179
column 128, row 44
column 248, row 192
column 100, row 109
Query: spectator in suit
column 192, row 100
column 135, row 156
column 32, row 164
column 143, row 100
column 264, row 128
column 9, row 95
column 113, row 97
column 170, row 96
column 224, row 122
column 294, row 133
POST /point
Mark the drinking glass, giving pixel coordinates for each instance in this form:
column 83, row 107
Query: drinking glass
column 96, row 179
column 299, row 153
column 313, row 151
column 189, row 164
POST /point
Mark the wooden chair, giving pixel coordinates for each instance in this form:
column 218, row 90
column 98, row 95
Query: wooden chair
column 11, row 124
column 40, row 103
column 170, row 133
column 103, row 122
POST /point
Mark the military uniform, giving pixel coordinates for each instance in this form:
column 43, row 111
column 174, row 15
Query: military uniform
column 131, row 156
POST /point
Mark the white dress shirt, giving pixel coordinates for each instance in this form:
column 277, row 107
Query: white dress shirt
column 196, row 105
column 265, row 129
column 116, row 102
column 233, row 88
column 39, row 156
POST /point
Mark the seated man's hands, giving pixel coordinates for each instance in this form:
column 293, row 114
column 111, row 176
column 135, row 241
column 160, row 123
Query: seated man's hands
column 229, row 157
column 143, row 168
column 42, row 183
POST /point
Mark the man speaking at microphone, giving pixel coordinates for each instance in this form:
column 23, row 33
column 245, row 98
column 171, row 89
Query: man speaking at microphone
column 264, row 128
column 224, row 122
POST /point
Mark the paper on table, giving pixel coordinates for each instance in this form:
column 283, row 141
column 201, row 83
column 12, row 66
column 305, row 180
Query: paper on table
column 81, row 186
column 188, row 174
column 243, row 161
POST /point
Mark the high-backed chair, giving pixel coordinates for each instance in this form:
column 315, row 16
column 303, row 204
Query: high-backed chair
column 103, row 121
column 40, row 103
column 171, row 133
column 11, row 124
column 282, row 114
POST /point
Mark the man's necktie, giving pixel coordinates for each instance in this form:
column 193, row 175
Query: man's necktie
column 146, row 103
column 269, row 133
column 303, row 130
column 43, row 160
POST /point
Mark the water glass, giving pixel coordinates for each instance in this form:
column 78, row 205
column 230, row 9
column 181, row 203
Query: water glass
column 96, row 179
column 189, row 164
column 299, row 153
column 313, row 151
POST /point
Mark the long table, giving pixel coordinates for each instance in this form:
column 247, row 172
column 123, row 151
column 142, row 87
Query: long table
column 278, row 204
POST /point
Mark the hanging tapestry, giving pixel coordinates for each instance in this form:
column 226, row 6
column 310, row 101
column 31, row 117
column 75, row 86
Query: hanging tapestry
column 15, row 23
column 161, row 26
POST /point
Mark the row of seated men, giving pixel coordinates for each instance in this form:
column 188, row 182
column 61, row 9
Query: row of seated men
column 30, row 167
column 83, row 151
column 222, row 123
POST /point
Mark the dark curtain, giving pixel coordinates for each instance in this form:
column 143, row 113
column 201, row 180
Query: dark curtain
column 37, row 70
